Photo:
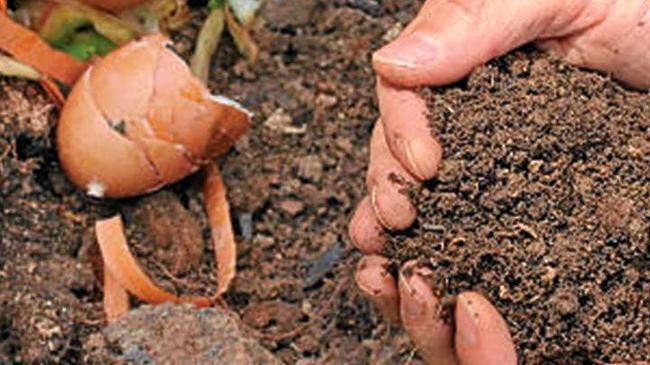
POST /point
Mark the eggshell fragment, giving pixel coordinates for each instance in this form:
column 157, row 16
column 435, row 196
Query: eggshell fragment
column 91, row 152
column 138, row 120
column 123, row 82
column 114, row 5
column 223, row 238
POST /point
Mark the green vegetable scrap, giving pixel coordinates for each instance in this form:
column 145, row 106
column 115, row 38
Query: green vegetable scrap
column 82, row 45
column 82, row 31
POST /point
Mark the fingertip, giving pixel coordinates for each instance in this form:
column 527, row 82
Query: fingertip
column 392, row 207
column 420, row 313
column 418, row 301
column 423, row 154
column 482, row 335
column 407, row 131
column 379, row 285
column 365, row 231
column 405, row 60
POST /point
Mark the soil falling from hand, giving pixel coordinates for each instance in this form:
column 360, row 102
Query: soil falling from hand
column 542, row 204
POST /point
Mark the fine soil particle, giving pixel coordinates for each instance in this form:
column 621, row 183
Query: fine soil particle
column 542, row 204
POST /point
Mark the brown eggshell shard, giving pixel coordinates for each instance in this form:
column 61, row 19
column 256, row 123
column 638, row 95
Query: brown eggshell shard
column 122, row 83
column 135, row 128
column 114, row 5
column 234, row 122
column 191, row 121
column 207, row 125
column 171, row 160
column 223, row 238
column 96, row 158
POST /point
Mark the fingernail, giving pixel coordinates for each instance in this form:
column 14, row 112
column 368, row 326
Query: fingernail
column 375, row 208
column 407, row 52
column 468, row 330
column 423, row 163
column 412, row 308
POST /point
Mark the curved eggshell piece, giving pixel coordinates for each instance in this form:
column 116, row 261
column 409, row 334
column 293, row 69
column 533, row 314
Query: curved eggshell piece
column 176, row 89
column 171, row 160
column 138, row 120
column 123, row 82
column 97, row 158
column 114, row 5
column 235, row 121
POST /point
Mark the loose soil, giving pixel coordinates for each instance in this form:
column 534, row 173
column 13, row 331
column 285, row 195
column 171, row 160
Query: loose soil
column 542, row 204
column 293, row 182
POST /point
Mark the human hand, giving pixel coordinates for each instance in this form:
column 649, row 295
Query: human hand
column 478, row 336
column 443, row 44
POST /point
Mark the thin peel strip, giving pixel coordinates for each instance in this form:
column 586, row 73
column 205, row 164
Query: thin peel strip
column 223, row 239
column 207, row 43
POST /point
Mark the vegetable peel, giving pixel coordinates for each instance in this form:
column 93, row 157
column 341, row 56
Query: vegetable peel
column 207, row 43
column 243, row 40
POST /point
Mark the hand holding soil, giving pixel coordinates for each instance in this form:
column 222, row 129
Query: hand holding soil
column 443, row 45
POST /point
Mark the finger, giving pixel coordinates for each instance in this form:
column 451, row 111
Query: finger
column 450, row 38
column 378, row 285
column 406, row 127
column 482, row 336
column 366, row 232
column 392, row 207
column 420, row 312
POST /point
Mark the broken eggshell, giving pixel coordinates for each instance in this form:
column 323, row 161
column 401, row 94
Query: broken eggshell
column 114, row 5
column 138, row 120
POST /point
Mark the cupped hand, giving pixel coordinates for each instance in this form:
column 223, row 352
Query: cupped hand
column 446, row 41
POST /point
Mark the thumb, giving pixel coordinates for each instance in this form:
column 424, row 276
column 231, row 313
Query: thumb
column 482, row 336
column 449, row 38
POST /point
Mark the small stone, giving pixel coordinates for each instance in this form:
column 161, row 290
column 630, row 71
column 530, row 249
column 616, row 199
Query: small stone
column 282, row 122
column 535, row 166
column 392, row 33
column 292, row 207
column 326, row 101
column 310, row 168
column 278, row 120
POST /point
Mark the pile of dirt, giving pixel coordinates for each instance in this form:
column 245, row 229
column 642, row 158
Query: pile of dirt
column 543, row 205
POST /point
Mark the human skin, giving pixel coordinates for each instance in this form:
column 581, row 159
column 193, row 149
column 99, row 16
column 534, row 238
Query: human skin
column 446, row 41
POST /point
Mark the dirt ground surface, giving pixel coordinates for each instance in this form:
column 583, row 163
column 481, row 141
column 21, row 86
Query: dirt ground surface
column 293, row 182
column 543, row 205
